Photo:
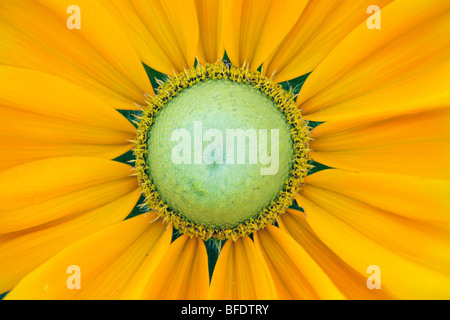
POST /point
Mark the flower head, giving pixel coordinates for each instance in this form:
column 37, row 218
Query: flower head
column 280, row 149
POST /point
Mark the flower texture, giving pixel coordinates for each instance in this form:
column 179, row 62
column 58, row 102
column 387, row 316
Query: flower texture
column 364, row 215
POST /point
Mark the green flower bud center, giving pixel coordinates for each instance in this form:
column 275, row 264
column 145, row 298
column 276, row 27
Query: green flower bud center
column 219, row 152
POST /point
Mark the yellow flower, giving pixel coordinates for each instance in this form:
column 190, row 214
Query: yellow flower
column 381, row 97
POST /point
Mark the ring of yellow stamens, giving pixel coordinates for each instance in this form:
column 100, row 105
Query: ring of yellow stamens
column 286, row 104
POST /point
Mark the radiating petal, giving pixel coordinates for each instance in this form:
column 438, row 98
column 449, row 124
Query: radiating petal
column 164, row 33
column 182, row 274
column 241, row 273
column 371, row 75
column 97, row 56
column 210, row 45
column 105, row 261
column 407, row 196
column 351, row 283
column 135, row 287
column 412, row 256
column 21, row 252
column 47, row 190
column 295, row 273
column 252, row 29
column 46, row 116
column 419, row 241
column 417, row 144
column 322, row 25
column 113, row 282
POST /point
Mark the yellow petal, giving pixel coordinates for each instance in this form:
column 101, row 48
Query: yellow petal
column 349, row 281
column 322, row 25
column 252, row 29
column 417, row 144
column 21, row 252
column 344, row 228
column 134, row 289
column 45, row 116
column 114, row 280
column 210, row 45
column 104, row 262
column 401, row 68
column 407, row 196
column 46, row 190
column 416, row 240
column 241, row 273
column 97, row 56
column 182, row 274
column 164, row 33
column 295, row 273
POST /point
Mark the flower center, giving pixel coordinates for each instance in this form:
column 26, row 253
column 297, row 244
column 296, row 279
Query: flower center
column 219, row 154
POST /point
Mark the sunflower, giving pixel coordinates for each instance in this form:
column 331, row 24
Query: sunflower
column 357, row 208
